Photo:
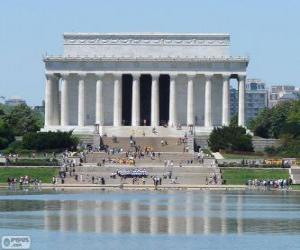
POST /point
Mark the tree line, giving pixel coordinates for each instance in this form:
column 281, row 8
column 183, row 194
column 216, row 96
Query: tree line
column 279, row 122
column 26, row 123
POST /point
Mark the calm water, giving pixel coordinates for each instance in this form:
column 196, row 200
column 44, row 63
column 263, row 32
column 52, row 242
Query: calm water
column 153, row 220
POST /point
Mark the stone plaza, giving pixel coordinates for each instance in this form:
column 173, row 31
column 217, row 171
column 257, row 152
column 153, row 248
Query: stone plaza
column 117, row 82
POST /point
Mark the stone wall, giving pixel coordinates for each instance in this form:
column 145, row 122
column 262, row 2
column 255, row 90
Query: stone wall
column 259, row 144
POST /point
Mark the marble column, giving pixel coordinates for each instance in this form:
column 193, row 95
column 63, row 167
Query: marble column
column 190, row 100
column 52, row 100
column 207, row 111
column 155, row 101
column 225, row 100
column 56, row 106
column 135, row 107
column 172, row 105
column 65, row 116
column 241, row 114
column 81, row 101
column 117, row 100
column 49, row 99
column 99, row 100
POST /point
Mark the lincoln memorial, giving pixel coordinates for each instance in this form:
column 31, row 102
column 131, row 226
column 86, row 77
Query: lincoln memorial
column 124, row 81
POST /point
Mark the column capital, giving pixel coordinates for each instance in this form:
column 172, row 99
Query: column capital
column 209, row 76
column 51, row 76
column 136, row 75
column 117, row 76
column 191, row 76
column 155, row 76
column 242, row 77
column 81, row 76
column 65, row 76
column 173, row 76
column 226, row 76
column 99, row 76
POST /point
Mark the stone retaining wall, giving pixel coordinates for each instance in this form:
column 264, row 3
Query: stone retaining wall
column 259, row 144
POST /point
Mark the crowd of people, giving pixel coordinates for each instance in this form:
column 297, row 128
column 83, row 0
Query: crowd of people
column 212, row 179
column 279, row 183
column 130, row 173
column 23, row 181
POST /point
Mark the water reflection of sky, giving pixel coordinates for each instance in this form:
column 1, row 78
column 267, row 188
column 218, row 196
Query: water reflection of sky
column 169, row 213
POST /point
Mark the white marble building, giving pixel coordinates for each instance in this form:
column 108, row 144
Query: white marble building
column 126, row 80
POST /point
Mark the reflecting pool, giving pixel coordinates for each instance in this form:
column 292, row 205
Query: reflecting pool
column 148, row 220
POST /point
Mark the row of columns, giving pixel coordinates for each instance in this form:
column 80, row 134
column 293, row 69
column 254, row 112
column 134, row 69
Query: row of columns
column 52, row 100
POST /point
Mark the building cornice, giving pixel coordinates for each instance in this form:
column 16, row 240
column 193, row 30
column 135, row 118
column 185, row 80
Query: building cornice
column 183, row 39
column 144, row 59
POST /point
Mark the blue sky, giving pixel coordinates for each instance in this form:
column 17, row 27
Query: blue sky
column 267, row 31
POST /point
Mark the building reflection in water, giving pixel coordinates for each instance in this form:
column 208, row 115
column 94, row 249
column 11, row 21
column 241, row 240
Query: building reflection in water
column 172, row 213
column 188, row 215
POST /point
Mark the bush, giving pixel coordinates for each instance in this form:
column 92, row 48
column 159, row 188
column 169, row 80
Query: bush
column 231, row 138
column 34, row 162
column 50, row 140
column 271, row 150
column 291, row 149
column 14, row 147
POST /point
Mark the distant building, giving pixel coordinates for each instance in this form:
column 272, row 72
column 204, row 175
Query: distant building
column 14, row 101
column 280, row 93
column 40, row 109
column 256, row 98
column 234, row 97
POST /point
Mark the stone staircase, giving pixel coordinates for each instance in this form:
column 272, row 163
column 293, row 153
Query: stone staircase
column 86, row 138
column 201, row 140
column 178, row 158
column 190, row 143
column 153, row 142
column 192, row 175
column 295, row 174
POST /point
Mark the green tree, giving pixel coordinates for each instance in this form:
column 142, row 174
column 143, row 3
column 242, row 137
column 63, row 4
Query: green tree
column 231, row 138
column 270, row 122
column 6, row 134
column 234, row 120
column 22, row 119
column 283, row 122
column 291, row 126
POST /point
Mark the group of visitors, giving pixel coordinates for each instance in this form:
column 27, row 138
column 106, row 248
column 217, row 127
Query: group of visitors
column 23, row 181
column 212, row 179
column 131, row 173
column 157, row 180
column 280, row 183
column 99, row 180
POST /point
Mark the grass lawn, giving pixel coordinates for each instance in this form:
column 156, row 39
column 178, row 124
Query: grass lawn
column 296, row 187
column 206, row 151
column 240, row 176
column 43, row 174
column 246, row 157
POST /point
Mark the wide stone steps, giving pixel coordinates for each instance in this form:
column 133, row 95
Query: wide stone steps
column 296, row 178
column 295, row 171
column 154, row 169
column 184, row 175
column 99, row 156
column 153, row 142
